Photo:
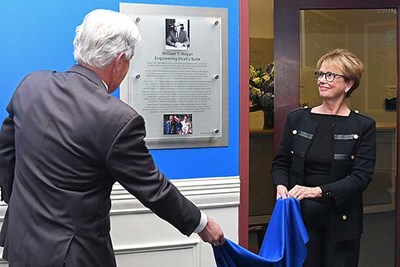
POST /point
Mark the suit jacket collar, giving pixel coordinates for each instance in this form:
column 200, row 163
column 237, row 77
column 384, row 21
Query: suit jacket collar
column 89, row 74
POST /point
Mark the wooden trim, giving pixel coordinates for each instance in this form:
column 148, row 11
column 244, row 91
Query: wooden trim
column 261, row 131
column 347, row 4
column 287, row 60
column 244, row 53
column 397, row 200
column 386, row 126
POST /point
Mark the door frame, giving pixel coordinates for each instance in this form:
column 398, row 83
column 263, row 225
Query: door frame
column 287, row 64
column 244, row 129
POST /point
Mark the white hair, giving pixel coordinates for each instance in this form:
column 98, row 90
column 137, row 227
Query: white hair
column 102, row 36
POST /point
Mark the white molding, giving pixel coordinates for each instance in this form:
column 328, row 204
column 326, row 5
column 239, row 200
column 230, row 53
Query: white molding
column 206, row 193
column 185, row 254
column 159, row 246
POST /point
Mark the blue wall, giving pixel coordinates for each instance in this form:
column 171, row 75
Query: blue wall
column 36, row 35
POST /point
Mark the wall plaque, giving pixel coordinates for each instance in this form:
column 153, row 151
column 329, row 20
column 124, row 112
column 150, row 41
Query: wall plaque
column 178, row 77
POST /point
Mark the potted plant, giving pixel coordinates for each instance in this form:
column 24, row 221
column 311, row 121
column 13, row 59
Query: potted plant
column 261, row 85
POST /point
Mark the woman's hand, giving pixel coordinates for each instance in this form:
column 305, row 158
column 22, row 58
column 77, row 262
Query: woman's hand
column 301, row 192
column 281, row 191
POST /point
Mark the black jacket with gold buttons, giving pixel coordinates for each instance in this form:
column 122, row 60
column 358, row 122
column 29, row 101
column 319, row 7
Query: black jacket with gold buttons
column 353, row 164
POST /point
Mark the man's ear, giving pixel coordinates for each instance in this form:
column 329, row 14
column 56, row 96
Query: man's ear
column 118, row 61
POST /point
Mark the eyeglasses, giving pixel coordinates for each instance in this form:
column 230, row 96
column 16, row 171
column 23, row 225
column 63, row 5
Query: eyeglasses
column 329, row 76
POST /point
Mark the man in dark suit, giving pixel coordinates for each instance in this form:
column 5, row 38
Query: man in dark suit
column 170, row 126
column 177, row 37
column 65, row 143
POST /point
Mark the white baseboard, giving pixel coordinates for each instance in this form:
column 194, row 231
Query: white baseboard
column 142, row 239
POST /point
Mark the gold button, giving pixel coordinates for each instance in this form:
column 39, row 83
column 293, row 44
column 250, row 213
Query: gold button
column 352, row 157
column 344, row 217
column 292, row 151
column 355, row 136
column 294, row 132
column 356, row 111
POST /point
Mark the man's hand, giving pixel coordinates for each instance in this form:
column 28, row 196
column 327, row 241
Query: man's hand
column 212, row 233
column 178, row 44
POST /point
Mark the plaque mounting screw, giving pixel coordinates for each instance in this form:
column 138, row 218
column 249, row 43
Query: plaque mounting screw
column 216, row 22
column 137, row 19
column 216, row 131
column 137, row 76
column 216, row 76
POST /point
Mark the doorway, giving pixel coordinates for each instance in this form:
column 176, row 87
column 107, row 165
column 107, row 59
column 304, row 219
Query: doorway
column 371, row 35
column 305, row 30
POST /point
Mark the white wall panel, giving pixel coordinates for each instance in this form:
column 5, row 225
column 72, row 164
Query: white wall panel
column 140, row 238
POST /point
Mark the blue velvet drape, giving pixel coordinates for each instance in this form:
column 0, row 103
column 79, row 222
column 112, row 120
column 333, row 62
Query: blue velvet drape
column 284, row 244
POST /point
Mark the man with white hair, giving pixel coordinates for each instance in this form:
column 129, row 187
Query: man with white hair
column 65, row 143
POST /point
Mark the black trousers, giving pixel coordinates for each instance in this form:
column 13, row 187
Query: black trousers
column 322, row 251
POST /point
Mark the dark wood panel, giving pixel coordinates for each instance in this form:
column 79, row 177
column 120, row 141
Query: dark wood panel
column 347, row 4
column 287, row 58
column 261, row 188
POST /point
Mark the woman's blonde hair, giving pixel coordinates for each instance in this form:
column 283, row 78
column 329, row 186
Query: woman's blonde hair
column 351, row 66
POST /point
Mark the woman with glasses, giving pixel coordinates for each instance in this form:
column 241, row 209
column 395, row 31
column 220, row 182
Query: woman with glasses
column 326, row 160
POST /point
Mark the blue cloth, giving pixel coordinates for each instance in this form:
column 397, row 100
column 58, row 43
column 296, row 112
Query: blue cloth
column 284, row 244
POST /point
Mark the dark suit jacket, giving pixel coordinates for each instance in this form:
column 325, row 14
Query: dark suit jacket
column 353, row 163
column 63, row 146
column 169, row 127
column 182, row 38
